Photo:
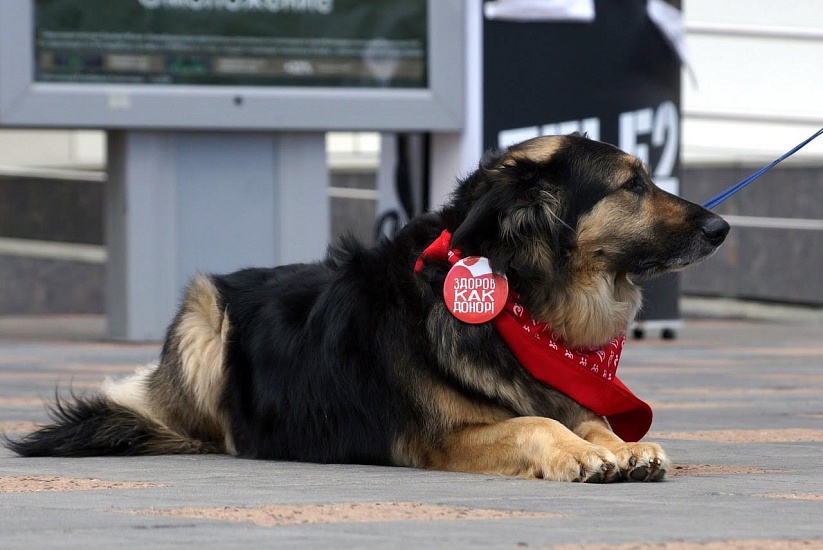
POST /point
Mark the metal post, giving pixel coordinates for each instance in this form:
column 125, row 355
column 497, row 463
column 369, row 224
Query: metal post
column 180, row 203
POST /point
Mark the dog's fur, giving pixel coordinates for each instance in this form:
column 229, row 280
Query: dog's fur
column 356, row 359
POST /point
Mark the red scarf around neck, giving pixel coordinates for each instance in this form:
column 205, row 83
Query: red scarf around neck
column 587, row 375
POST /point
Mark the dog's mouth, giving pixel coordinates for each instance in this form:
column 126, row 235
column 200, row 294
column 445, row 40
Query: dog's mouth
column 648, row 268
column 651, row 267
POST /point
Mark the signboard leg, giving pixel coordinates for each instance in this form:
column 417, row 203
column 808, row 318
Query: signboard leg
column 181, row 203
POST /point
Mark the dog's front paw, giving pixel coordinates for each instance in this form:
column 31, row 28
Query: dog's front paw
column 642, row 461
column 582, row 462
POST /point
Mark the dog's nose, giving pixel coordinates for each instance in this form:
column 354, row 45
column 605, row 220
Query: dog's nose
column 715, row 230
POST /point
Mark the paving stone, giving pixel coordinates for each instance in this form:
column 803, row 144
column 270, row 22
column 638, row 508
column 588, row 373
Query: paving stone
column 738, row 406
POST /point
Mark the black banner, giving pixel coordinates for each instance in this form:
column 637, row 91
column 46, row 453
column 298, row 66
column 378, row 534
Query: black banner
column 615, row 78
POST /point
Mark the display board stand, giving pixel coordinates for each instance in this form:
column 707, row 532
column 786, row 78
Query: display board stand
column 186, row 202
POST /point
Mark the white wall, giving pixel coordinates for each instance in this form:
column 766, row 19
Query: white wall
column 758, row 90
column 86, row 149
column 83, row 149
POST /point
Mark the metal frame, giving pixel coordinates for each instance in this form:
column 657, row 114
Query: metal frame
column 26, row 103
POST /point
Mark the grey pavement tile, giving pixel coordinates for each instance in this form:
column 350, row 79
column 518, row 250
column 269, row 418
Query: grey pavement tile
column 717, row 376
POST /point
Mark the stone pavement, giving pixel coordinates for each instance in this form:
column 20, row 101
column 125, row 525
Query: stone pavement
column 738, row 405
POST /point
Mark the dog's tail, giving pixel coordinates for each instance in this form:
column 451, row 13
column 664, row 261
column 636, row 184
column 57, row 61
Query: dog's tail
column 95, row 426
column 173, row 407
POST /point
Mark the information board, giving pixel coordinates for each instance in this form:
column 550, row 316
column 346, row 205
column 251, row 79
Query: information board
column 342, row 43
column 395, row 65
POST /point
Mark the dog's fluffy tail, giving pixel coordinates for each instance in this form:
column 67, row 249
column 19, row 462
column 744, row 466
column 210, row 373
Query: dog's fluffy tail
column 96, row 426
column 170, row 407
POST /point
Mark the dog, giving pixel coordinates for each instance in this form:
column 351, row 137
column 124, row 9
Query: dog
column 358, row 358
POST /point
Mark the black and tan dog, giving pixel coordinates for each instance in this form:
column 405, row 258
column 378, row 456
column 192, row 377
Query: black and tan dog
column 356, row 358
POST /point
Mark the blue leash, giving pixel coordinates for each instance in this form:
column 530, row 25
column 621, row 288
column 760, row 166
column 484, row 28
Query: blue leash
column 723, row 195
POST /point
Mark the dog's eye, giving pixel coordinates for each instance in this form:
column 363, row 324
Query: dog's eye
column 635, row 185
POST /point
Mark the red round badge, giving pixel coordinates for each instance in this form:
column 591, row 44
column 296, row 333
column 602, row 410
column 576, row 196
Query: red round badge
column 473, row 292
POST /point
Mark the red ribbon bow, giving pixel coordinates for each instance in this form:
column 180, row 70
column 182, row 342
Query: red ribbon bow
column 587, row 375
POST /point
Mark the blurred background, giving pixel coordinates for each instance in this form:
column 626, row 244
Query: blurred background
column 748, row 88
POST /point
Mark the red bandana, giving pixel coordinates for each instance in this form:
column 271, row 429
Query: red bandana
column 587, row 375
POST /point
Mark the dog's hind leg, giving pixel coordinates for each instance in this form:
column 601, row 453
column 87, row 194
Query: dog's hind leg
column 530, row 447
column 636, row 461
column 183, row 393
column 186, row 390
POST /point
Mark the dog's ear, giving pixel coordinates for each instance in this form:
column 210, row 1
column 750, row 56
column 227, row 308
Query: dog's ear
column 481, row 224
column 527, row 232
column 491, row 159
column 479, row 196
column 538, row 219
column 536, row 209
column 479, row 232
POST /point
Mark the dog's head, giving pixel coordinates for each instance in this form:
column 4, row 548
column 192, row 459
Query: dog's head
column 571, row 220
